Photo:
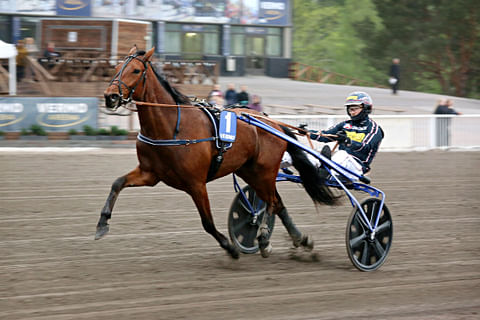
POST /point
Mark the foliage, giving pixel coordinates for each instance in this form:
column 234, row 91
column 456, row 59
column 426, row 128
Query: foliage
column 435, row 40
column 2, row 133
column 325, row 35
column 103, row 132
column 438, row 42
column 115, row 131
column 72, row 132
column 89, row 131
column 34, row 129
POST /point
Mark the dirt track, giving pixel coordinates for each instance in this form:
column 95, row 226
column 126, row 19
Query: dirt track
column 158, row 263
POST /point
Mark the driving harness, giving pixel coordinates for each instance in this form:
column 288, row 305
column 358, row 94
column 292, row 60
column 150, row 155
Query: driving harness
column 213, row 114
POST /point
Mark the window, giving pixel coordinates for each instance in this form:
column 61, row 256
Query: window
column 28, row 27
column 237, row 44
column 273, row 40
column 5, row 30
column 211, row 43
column 192, row 40
column 274, row 46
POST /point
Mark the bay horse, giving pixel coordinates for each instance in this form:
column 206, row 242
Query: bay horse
column 254, row 156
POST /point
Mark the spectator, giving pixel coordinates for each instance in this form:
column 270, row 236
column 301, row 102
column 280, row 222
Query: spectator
column 31, row 46
column 32, row 50
column 242, row 97
column 445, row 106
column 215, row 92
column 394, row 75
column 216, row 99
column 256, row 103
column 21, row 59
column 230, row 95
column 51, row 54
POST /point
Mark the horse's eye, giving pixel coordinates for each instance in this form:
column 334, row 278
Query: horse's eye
column 136, row 71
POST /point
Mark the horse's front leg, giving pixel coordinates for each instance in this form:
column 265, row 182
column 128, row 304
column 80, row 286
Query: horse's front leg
column 200, row 197
column 135, row 178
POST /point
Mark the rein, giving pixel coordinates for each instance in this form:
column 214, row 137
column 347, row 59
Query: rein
column 174, row 142
column 301, row 131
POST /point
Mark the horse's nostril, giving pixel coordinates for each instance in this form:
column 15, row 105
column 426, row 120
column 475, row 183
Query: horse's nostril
column 111, row 100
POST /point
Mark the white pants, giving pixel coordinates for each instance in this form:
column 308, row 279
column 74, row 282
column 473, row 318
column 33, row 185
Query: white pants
column 341, row 157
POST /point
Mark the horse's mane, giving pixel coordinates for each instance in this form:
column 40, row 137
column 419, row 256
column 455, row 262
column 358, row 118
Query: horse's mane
column 179, row 97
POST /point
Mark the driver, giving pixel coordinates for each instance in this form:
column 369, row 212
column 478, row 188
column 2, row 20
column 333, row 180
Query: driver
column 358, row 138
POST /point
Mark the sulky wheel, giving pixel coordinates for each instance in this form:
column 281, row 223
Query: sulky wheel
column 366, row 251
column 243, row 225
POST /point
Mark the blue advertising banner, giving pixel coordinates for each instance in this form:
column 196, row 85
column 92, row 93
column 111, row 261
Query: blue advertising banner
column 53, row 114
column 74, row 8
column 274, row 12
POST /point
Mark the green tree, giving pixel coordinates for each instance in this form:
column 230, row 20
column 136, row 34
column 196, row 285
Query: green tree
column 325, row 35
column 437, row 42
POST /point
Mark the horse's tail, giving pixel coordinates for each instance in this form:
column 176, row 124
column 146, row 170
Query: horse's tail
column 312, row 180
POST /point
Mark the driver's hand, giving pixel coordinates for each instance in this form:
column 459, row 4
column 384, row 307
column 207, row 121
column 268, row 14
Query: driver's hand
column 341, row 137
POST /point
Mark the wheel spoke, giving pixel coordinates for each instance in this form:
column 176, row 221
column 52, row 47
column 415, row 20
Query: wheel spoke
column 240, row 225
column 244, row 206
column 383, row 227
column 372, row 211
column 379, row 249
column 355, row 242
column 250, row 236
column 364, row 253
column 360, row 222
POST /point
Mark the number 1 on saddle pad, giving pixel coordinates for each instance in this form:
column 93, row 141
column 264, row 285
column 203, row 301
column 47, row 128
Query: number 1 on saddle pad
column 228, row 126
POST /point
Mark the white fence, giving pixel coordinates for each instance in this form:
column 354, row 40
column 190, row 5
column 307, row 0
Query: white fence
column 409, row 131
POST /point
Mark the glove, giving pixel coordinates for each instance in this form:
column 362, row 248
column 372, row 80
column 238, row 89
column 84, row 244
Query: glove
column 342, row 138
column 313, row 134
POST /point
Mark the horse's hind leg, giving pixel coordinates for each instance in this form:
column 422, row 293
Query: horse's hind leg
column 200, row 197
column 298, row 238
column 135, row 178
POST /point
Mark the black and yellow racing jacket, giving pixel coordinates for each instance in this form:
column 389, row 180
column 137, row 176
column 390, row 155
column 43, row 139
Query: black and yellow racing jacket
column 365, row 136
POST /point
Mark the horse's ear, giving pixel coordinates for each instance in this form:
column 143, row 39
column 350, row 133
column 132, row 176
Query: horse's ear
column 133, row 50
column 149, row 54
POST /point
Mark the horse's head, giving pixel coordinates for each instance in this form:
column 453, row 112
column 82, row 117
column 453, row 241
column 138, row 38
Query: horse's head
column 130, row 76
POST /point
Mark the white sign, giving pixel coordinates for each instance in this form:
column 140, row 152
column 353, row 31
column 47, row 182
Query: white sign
column 72, row 36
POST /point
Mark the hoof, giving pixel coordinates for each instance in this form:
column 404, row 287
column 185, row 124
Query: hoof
column 307, row 243
column 101, row 231
column 234, row 253
column 266, row 251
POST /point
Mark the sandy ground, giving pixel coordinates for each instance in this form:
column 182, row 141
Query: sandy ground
column 158, row 263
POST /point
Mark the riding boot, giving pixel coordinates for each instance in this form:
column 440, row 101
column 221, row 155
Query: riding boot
column 326, row 152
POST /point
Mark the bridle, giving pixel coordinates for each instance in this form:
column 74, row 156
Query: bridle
column 118, row 80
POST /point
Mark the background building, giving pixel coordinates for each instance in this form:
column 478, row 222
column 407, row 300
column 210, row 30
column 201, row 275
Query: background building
column 244, row 36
